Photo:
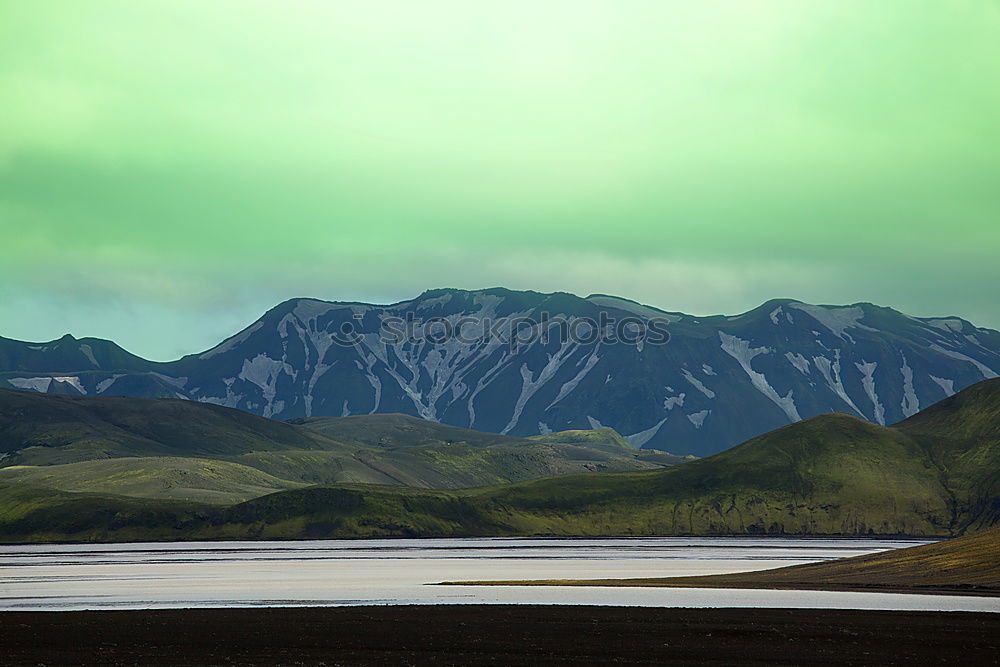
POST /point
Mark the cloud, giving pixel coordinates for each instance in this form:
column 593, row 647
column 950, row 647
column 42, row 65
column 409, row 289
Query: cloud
column 189, row 160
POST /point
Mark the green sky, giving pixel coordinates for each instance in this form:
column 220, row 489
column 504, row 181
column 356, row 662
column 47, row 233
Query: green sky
column 170, row 169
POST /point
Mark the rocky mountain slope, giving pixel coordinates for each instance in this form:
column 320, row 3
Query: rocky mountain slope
column 717, row 382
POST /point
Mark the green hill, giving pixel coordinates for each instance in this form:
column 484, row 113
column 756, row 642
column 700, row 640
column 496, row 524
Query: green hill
column 932, row 475
column 158, row 447
column 166, row 477
column 394, row 431
column 43, row 429
column 602, row 436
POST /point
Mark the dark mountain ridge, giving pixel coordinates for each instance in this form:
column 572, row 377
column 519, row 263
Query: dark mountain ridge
column 718, row 381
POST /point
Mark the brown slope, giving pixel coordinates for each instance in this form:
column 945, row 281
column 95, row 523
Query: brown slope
column 968, row 565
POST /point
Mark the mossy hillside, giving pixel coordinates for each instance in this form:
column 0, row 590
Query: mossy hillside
column 961, row 435
column 43, row 429
column 830, row 475
column 32, row 514
column 395, row 431
column 602, row 436
column 190, row 479
column 39, row 430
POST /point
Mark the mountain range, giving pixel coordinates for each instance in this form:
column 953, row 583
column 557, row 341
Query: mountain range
column 716, row 382
column 936, row 473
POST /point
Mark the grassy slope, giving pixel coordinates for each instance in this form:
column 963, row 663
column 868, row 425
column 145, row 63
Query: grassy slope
column 961, row 436
column 399, row 449
column 968, row 565
column 597, row 436
column 393, row 431
column 832, row 474
column 444, row 466
column 45, row 430
column 166, row 477
column 31, row 514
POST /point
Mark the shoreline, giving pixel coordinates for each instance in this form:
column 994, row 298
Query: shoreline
column 735, row 585
column 967, row 565
column 497, row 634
column 252, row 540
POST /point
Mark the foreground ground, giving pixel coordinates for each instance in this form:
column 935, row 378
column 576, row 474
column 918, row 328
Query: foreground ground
column 498, row 635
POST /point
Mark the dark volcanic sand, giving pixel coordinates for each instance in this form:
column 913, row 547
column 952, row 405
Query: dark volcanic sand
column 498, row 635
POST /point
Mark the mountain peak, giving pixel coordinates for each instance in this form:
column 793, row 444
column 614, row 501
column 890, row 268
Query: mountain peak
column 714, row 382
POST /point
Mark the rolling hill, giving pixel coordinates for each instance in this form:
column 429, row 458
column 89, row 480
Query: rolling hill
column 171, row 448
column 829, row 475
column 209, row 481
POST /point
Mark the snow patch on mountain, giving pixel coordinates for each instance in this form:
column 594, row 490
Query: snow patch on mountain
column 530, row 384
column 569, row 386
column 741, row 351
column 104, row 385
column 830, row 370
column 799, row 361
column 837, row 319
column 988, row 373
column 231, row 399
column 698, row 418
column 367, row 367
column 949, row 324
column 488, row 303
column 43, row 384
column 39, row 384
column 948, row 386
column 89, row 353
column 71, row 380
column 910, row 404
column 434, row 302
column 868, row 382
column 671, row 401
column 639, row 439
column 264, row 372
column 697, row 384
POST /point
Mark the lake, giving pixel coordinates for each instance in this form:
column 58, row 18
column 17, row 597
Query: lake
column 398, row 571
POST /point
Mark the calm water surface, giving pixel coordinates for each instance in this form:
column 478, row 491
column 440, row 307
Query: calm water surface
column 357, row 572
